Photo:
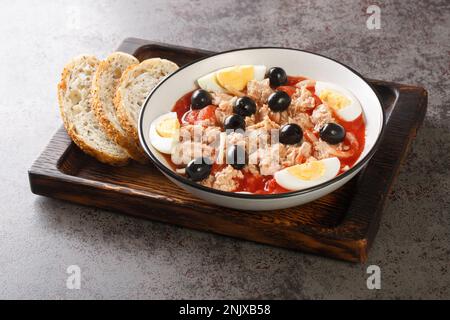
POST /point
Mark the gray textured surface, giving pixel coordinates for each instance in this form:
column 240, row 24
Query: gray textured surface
column 121, row 257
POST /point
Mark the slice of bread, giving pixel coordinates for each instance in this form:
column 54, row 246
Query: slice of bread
column 104, row 86
column 75, row 103
column 135, row 84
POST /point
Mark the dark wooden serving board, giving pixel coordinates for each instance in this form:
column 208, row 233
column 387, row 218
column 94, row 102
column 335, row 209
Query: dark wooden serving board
column 341, row 225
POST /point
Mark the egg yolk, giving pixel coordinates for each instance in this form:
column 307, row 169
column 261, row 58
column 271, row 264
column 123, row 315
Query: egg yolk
column 167, row 127
column 235, row 78
column 308, row 171
column 334, row 99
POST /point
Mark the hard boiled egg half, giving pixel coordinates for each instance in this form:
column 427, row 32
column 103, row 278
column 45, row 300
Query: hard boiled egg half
column 341, row 100
column 232, row 79
column 308, row 174
column 165, row 132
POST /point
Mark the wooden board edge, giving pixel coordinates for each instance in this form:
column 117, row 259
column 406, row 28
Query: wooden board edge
column 139, row 206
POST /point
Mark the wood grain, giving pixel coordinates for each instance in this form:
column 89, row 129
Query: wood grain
column 341, row 225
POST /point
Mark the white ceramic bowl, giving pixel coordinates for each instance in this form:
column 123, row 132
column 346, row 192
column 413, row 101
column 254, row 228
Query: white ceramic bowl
column 296, row 62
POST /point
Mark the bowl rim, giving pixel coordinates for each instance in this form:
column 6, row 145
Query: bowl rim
column 196, row 185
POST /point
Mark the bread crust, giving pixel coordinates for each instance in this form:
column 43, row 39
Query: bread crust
column 70, row 128
column 121, row 138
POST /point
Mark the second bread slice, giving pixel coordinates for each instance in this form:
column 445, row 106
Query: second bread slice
column 104, row 86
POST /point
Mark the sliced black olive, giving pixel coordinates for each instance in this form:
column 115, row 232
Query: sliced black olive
column 200, row 98
column 291, row 134
column 332, row 133
column 277, row 77
column 244, row 106
column 198, row 169
column 234, row 122
column 279, row 101
column 236, row 157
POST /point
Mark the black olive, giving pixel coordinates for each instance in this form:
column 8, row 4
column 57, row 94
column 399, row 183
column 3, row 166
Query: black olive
column 291, row 134
column 198, row 169
column 332, row 133
column 234, row 122
column 236, row 157
column 279, row 101
column 200, row 98
column 277, row 77
column 244, row 106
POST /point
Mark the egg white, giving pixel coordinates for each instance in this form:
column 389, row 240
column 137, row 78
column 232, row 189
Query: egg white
column 209, row 83
column 163, row 144
column 348, row 113
column 288, row 181
column 259, row 72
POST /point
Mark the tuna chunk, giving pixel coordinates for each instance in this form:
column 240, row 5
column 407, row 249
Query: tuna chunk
column 236, row 138
column 225, row 179
column 208, row 182
column 301, row 101
column 250, row 121
column 305, row 150
column 268, row 159
column 199, row 133
column 341, row 150
column 186, row 151
column 277, row 117
column 224, row 109
column 266, row 124
column 251, row 168
column 218, row 98
column 259, row 90
column 196, row 141
column 320, row 116
column 296, row 154
column 303, row 120
column 306, row 83
column 270, row 162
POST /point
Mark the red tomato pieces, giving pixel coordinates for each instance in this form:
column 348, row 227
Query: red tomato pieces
column 190, row 117
column 292, row 81
column 288, row 89
column 311, row 89
column 216, row 167
column 252, row 183
column 194, row 116
column 317, row 100
column 207, row 112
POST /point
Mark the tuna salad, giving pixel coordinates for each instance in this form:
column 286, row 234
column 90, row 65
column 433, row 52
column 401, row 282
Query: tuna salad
column 253, row 129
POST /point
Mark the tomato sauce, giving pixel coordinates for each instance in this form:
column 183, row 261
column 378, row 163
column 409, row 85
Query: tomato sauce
column 259, row 184
column 358, row 128
column 290, row 90
column 182, row 106
column 267, row 184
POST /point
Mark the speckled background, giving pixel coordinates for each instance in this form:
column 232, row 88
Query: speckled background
column 122, row 257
